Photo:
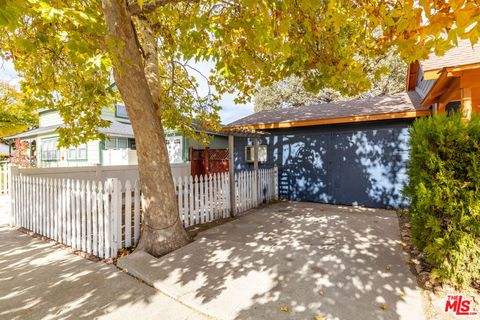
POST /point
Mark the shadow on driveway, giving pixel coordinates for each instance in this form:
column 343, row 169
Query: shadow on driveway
column 39, row 281
column 291, row 261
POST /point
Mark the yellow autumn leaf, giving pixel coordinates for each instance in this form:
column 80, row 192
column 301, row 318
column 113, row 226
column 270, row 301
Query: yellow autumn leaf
column 384, row 306
column 284, row 309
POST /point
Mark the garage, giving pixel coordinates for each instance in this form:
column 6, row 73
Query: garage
column 351, row 153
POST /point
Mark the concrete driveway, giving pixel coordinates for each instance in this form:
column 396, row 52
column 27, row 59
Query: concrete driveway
column 292, row 261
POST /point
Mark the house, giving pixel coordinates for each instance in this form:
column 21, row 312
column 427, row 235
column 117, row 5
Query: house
column 356, row 152
column 446, row 82
column 119, row 147
column 43, row 142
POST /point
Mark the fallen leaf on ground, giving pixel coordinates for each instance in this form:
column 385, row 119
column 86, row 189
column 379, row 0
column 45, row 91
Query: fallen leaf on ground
column 402, row 293
column 320, row 317
column 384, row 306
column 284, row 309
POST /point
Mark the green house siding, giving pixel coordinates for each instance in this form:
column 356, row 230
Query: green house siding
column 218, row 142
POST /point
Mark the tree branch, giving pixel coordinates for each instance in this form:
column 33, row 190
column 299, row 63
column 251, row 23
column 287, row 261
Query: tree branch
column 135, row 9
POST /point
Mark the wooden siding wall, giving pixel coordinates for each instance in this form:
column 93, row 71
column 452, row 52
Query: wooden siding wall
column 49, row 118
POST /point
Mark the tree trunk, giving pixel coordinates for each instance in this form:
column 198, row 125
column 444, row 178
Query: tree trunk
column 162, row 231
column 152, row 70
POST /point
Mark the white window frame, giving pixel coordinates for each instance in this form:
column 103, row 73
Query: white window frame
column 50, row 154
column 76, row 151
column 115, row 142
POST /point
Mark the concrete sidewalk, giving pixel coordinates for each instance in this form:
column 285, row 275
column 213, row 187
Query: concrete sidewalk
column 39, row 281
column 292, row 261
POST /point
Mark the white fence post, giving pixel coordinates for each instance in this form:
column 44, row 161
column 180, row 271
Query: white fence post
column 275, row 182
column 128, row 214
column 136, row 213
column 115, row 217
column 12, row 194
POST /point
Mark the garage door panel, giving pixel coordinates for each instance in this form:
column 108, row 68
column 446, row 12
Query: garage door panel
column 369, row 175
column 303, row 175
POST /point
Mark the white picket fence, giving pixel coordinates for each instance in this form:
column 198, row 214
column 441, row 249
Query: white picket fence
column 4, row 178
column 252, row 189
column 101, row 217
column 82, row 214
column 202, row 199
column 206, row 198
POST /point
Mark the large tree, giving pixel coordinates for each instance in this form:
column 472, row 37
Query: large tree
column 291, row 92
column 64, row 52
column 386, row 73
column 15, row 115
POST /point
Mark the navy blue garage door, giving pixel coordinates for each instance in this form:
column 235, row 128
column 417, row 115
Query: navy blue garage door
column 362, row 164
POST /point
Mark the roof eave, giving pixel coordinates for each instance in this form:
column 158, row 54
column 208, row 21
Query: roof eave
column 350, row 119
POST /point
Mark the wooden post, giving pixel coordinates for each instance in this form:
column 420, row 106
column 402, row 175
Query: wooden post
column 231, row 171
column 466, row 94
column 255, row 168
column 255, row 154
column 205, row 162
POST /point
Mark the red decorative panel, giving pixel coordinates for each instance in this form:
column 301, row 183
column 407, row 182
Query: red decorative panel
column 217, row 161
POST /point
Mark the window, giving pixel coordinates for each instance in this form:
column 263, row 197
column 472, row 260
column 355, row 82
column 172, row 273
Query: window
column 49, row 150
column 262, row 153
column 453, row 107
column 110, row 143
column 116, row 143
column 174, row 146
column 77, row 153
column 122, row 143
column 121, row 112
column 131, row 144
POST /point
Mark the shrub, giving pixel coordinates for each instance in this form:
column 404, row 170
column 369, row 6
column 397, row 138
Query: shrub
column 20, row 156
column 444, row 194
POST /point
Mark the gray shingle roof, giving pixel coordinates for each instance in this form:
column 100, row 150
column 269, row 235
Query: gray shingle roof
column 461, row 55
column 400, row 102
column 34, row 132
column 116, row 129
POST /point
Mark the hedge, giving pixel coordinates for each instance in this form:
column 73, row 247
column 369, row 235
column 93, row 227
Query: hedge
column 444, row 194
